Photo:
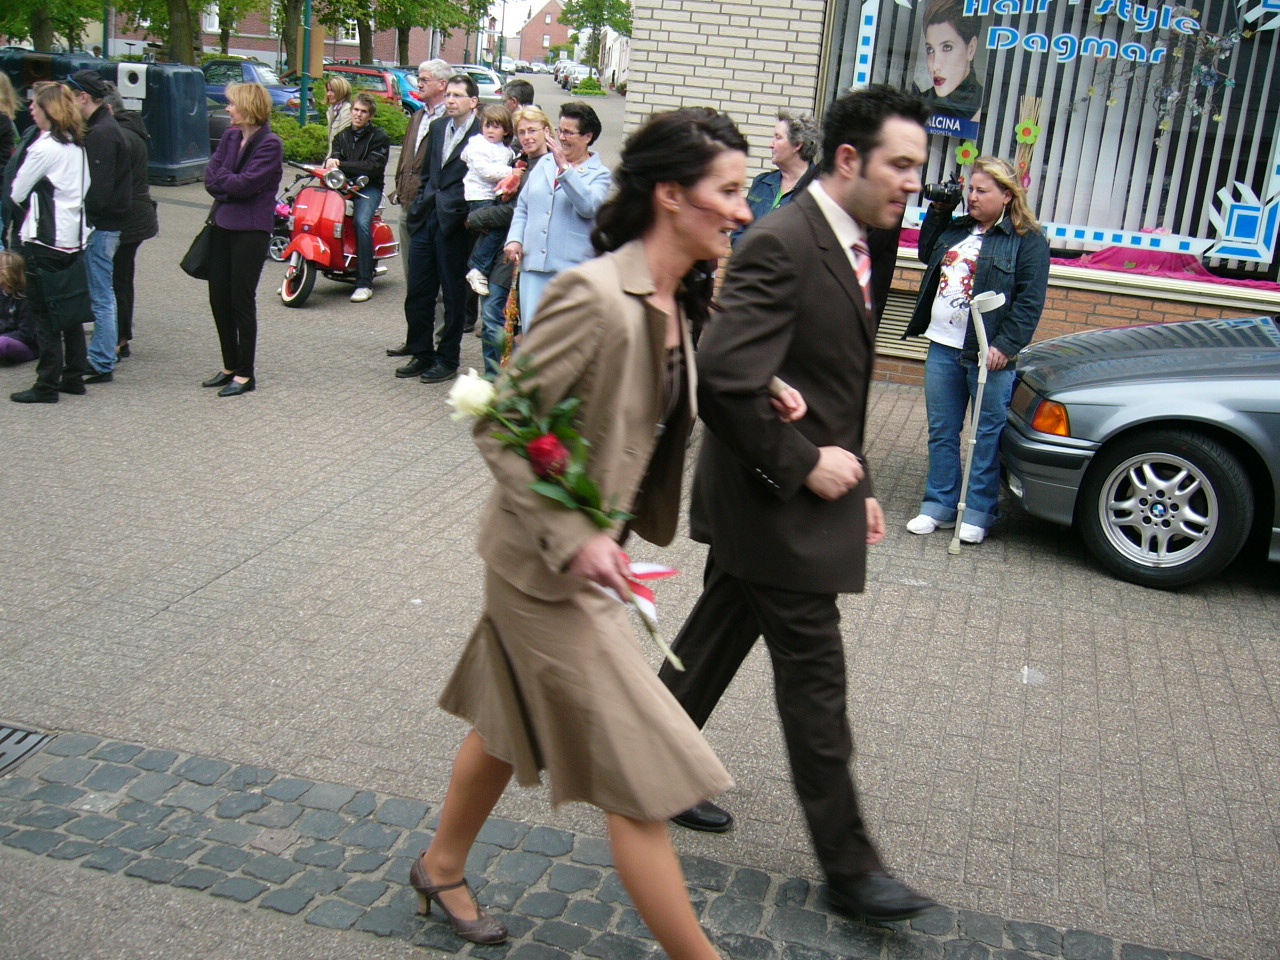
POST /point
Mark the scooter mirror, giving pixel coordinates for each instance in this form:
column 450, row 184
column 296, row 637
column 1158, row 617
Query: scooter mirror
column 361, row 182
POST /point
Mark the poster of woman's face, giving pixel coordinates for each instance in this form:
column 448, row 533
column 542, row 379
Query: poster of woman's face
column 948, row 73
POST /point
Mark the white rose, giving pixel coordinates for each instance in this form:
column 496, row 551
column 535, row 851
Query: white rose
column 470, row 396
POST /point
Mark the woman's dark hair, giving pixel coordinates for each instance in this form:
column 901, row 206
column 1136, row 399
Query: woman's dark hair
column 585, row 114
column 678, row 146
column 952, row 12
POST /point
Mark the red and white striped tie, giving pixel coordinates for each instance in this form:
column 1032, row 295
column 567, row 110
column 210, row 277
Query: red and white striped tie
column 862, row 267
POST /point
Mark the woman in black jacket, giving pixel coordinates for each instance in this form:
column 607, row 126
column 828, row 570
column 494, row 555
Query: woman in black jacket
column 141, row 223
column 361, row 150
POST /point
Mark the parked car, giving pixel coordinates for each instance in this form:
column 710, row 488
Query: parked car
column 1160, row 443
column 219, row 122
column 218, row 73
column 574, row 75
column 410, row 99
column 559, row 68
column 523, row 66
column 490, row 83
column 379, row 81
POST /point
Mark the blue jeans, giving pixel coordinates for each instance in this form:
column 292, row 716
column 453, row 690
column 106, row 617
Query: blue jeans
column 488, row 245
column 366, row 205
column 492, row 316
column 950, row 386
column 100, row 252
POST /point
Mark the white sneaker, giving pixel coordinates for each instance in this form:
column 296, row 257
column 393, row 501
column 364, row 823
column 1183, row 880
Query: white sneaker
column 361, row 295
column 479, row 282
column 379, row 270
column 927, row 524
column 972, row 533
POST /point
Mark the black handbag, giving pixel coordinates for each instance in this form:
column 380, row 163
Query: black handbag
column 196, row 262
column 58, row 288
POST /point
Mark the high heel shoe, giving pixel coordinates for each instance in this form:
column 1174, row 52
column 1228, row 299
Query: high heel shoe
column 483, row 929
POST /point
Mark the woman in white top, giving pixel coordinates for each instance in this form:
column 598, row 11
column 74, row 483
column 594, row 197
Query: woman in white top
column 50, row 187
column 337, row 93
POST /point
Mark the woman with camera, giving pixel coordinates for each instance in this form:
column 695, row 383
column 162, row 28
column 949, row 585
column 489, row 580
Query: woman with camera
column 998, row 247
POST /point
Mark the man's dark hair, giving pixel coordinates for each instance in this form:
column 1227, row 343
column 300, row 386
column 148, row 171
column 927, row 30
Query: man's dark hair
column 467, row 81
column 519, row 90
column 588, row 122
column 857, row 119
column 370, row 104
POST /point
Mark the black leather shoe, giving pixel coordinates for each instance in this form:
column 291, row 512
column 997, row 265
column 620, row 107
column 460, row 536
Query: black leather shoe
column 400, row 351
column 414, row 368
column 439, row 373
column 33, row 396
column 219, row 379
column 98, row 376
column 123, row 351
column 72, row 386
column 705, row 816
column 877, row 896
column 234, row 388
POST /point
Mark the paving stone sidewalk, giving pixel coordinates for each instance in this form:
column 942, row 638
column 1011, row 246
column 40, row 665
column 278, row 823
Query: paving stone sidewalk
column 338, row 857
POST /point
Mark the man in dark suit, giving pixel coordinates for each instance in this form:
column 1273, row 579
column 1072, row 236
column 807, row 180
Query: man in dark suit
column 441, row 244
column 785, row 501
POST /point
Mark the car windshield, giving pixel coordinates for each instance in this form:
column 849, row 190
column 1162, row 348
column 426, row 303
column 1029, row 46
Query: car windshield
column 268, row 77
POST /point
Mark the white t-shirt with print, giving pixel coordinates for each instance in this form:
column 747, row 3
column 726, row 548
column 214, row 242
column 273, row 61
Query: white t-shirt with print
column 950, row 318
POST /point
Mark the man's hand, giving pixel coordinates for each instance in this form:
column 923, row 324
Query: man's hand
column 787, row 400
column 996, row 359
column 602, row 561
column 513, row 252
column 875, row 521
column 331, row 163
column 393, row 198
column 836, row 473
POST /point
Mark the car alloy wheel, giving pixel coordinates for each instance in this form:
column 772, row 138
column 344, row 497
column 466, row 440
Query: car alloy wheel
column 1165, row 509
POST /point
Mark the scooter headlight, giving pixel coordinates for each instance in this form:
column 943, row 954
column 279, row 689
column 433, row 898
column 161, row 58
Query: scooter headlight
column 335, row 179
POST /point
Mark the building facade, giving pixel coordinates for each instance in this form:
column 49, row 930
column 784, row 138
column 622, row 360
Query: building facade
column 1145, row 136
column 543, row 31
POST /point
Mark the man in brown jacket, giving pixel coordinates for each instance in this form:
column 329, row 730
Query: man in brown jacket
column 787, row 507
column 432, row 76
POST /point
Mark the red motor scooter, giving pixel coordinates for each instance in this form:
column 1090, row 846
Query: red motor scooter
column 323, row 236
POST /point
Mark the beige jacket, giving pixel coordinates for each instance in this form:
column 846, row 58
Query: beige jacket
column 600, row 340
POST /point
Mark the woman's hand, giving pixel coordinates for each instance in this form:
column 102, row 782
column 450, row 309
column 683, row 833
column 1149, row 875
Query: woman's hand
column 602, row 561
column 513, row 252
column 557, row 152
column 996, row 359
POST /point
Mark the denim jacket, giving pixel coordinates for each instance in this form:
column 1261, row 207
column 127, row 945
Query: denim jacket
column 1014, row 264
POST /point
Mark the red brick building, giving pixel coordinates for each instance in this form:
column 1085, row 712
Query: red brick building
column 543, row 31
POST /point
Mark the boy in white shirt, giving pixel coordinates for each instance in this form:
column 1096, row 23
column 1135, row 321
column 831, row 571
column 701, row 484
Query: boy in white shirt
column 488, row 160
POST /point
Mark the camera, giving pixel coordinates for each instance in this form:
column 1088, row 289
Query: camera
column 948, row 193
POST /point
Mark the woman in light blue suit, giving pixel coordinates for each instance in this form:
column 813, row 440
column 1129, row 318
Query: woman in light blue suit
column 551, row 228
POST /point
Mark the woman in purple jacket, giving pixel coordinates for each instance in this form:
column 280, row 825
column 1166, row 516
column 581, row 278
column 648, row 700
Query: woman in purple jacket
column 243, row 175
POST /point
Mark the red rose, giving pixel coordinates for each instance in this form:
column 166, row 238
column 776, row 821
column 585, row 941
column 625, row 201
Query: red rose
column 548, row 456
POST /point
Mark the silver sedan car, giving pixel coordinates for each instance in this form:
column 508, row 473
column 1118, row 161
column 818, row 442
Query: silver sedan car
column 1161, row 443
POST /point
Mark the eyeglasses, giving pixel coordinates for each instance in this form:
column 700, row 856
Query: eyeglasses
column 571, row 133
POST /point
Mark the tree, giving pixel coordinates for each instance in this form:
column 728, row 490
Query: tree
column 43, row 22
column 595, row 15
column 171, row 21
column 404, row 15
column 231, row 12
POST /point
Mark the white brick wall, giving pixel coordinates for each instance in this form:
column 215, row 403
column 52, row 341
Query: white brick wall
column 746, row 58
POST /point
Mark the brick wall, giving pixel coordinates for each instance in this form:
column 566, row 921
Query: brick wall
column 745, row 58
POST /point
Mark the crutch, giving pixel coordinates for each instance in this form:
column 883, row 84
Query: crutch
column 982, row 303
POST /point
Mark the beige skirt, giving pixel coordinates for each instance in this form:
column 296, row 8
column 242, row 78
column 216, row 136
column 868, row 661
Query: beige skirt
column 562, row 686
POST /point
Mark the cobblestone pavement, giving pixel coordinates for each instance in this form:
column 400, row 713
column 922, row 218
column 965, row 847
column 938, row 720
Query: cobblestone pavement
column 283, row 581
column 338, row 858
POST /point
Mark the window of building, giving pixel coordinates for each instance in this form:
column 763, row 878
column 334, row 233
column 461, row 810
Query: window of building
column 348, row 32
column 209, row 20
column 546, row 41
column 548, row 20
column 1148, row 127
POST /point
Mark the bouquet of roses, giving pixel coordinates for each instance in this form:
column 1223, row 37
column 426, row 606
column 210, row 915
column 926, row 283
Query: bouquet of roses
column 557, row 452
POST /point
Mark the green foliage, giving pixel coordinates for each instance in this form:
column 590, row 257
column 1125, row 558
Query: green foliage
column 41, row 21
column 596, row 15
column 302, row 144
column 622, row 89
column 391, row 118
column 215, row 55
column 589, row 87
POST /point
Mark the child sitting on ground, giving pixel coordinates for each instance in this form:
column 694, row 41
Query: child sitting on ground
column 17, row 323
column 488, row 160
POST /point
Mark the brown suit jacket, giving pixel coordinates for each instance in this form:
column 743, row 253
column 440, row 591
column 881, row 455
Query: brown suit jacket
column 598, row 339
column 790, row 307
column 409, row 166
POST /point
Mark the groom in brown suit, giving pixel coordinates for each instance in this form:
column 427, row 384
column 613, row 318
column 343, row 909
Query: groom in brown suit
column 786, row 504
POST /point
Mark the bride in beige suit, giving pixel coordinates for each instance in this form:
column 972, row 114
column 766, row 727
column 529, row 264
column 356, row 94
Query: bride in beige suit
column 553, row 677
